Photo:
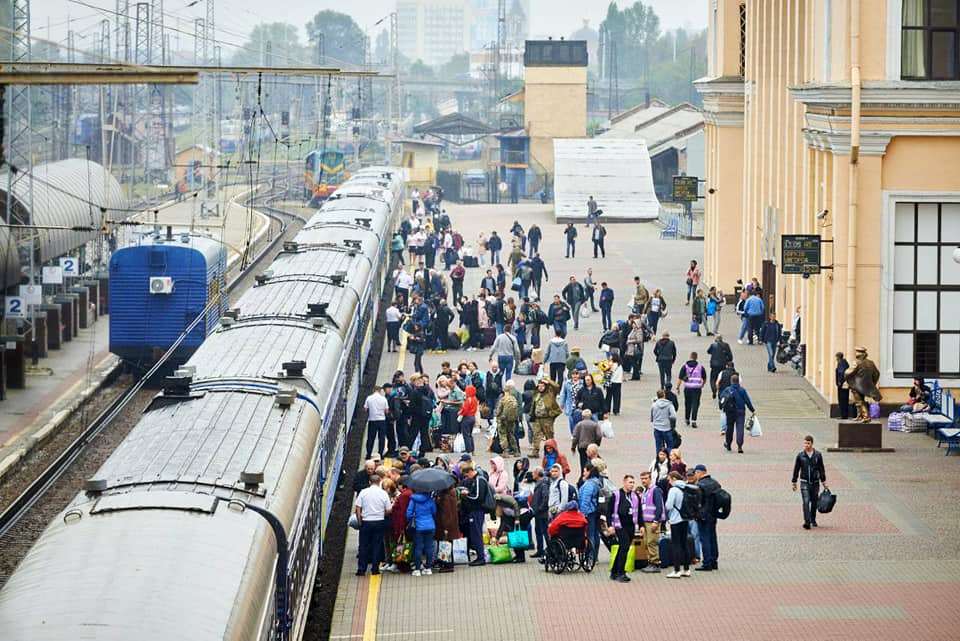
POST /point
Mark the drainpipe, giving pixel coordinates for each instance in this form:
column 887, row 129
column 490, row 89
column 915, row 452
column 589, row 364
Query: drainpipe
column 854, row 184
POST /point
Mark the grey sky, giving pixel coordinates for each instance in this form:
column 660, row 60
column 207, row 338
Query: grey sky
column 236, row 17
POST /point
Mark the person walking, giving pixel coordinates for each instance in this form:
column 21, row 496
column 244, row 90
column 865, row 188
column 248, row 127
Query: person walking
column 556, row 356
column 640, row 296
column 606, row 306
column 636, row 339
column 590, row 288
column 494, row 244
column 698, row 311
column 665, row 353
column 591, row 210
column 506, row 352
column 770, row 336
column 707, row 520
column 570, row 233
column 422, row 512
column 808, row 468
column 651, row 509
column 693, row 279
column 693, row 377
column 377, row 407
column 625, row 518
column 655, row 309
column 720, row 354
column 843, row 390
column 574, row 295
column 597, row 235
column 544, row 410
column 559, row 313
column 734, row 402
column 663, row 416
column 590, row 397
column 538, row 272
column 679, row 528
column 534, row 235
column 457, row 274
column 467, row 417
column 585, row 432
column 567, row 398
column 372, row 508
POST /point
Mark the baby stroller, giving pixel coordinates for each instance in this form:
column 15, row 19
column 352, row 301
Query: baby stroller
column 568, row 546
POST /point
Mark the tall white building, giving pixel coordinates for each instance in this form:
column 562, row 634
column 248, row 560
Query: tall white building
column 433, row 30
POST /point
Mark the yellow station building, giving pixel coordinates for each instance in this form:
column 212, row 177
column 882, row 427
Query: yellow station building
column 841, row 118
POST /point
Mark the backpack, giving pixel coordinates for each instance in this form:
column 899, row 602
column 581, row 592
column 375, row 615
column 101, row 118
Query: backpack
column 728, row 402
column 721, row 504
column 489, row 502
column 692, row 501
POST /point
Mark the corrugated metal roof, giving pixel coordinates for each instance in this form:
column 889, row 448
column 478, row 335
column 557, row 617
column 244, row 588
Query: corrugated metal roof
column 617, row 173
column 9, row 260
column 62, row 193
column 670, row 129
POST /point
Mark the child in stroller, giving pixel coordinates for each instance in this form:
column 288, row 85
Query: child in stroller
column 568, row 546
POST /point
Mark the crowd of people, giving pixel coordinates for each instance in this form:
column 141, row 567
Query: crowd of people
column 473, row 403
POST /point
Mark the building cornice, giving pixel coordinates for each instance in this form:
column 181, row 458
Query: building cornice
column 832, row 131
column 889, row 93
column 720, row 85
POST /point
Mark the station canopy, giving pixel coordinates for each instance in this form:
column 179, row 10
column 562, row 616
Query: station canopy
column 455, row 128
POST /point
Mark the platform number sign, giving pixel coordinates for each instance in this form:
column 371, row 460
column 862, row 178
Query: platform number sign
column 70, row 266
column 14, row 307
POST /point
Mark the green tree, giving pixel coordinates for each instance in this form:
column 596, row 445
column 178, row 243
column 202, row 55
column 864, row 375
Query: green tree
column 342, row 38
column 421, row 70
column 458, row 65
column 286, row 50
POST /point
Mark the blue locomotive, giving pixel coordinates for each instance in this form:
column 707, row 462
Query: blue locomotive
column 157, row 288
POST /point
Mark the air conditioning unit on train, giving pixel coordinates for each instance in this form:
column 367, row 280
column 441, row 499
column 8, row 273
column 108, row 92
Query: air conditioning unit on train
column 161, row 285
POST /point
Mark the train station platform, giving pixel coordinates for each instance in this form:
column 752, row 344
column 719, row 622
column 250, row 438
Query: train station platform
column 54, row 388
column 878, row 567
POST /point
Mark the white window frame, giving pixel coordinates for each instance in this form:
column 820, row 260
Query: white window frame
column 894, row 38
column 890, row 200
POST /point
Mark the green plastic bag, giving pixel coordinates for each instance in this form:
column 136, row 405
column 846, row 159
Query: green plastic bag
column 500, row 554
column 631, row 558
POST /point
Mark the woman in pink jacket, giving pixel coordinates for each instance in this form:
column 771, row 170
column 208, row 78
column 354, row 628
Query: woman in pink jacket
column 499, row 480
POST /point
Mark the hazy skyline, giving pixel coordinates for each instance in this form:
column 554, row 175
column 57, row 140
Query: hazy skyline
column 235, row 18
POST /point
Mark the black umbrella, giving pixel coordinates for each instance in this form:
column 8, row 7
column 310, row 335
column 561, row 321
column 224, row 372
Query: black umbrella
column 431, row 479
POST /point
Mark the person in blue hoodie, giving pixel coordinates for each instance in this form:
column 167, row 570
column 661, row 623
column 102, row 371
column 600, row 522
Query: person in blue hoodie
column 753, row 310
column 421, row 512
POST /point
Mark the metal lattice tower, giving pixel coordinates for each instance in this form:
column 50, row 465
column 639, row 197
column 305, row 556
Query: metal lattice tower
column 155, row 156
column 396, row 104
column 141, row 99
column 209, row 57
column 19, row 137
column 500, row 50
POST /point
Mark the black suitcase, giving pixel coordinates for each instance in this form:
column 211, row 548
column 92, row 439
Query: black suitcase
column 666, row 560
column 453, row 340
column 489, row 335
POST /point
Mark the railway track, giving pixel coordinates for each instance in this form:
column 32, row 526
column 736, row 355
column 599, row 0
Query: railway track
column 66, row 462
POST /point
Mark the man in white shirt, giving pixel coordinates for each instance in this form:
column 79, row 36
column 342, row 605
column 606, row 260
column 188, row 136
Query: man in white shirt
column 372, row 509
column 377, row 407
column 403, row 285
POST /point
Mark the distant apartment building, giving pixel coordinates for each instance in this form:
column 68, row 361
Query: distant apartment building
column 434, row 30
column 483, row 23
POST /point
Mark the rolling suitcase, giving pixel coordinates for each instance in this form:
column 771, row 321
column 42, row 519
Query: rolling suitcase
column 489, row 335
column 666, row 560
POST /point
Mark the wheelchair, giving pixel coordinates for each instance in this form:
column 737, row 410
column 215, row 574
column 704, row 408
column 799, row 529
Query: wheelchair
column 569, row 550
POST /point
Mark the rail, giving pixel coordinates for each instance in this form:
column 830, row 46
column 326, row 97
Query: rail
column 53, row 472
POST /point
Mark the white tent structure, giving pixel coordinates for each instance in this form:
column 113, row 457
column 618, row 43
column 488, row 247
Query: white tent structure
column 616, row 172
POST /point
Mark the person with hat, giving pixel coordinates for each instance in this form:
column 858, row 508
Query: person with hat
column 707, row 520
column 575, row 362
column 406, row 459
column 544, row 410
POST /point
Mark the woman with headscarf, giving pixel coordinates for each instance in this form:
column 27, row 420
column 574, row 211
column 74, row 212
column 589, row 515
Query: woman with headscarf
column 499, row 479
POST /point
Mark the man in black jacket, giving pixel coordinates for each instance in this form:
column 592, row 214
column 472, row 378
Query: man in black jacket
column 707, row 520
column 571, row 235
column 808, row 467
column 665, row 352
column 720, row 355
column 534, row 235
column 541, row 510
column 539, row 272
column 494, row 244
column 473, row 490
column 441, row 323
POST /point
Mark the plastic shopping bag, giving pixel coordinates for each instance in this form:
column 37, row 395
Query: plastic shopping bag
column 630, row 565
column 606, row 426
column 460, row 556
column 459, row 445
column 445, row 551
column 755, row 426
